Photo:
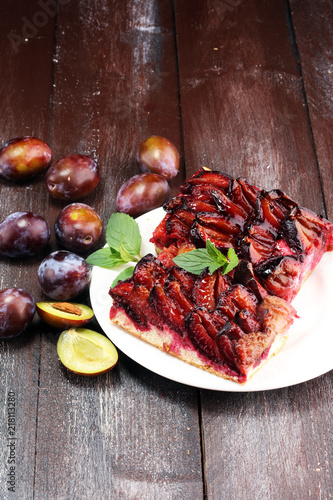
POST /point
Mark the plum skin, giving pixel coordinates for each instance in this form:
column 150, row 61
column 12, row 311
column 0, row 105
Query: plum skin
column 142, row 193
column 17, row 309
column 23, row 158
column 78, row 227
column 63, row 275
column 72, row 177
column 159, row 156
column 64, row 314
column 23, row 234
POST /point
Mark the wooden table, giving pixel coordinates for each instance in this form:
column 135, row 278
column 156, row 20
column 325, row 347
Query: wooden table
column 243, row 86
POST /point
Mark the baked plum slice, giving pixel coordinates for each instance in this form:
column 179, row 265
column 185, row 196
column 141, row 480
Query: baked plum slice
column 281, row 276
column 185, row 278
column 245, row 352
column 220, row 222
column 227, row 207
column 244, row 274
column 273, row 206
column 247, row 322
column 176, row 229
column 212, row 321
column 122, row 297
column 306, row 231
column 204, row 176
column 189, row 203
column 199, row 235
column 208, row 287
column 148, row 270
column 132, row 294
column 173, row 289
column 166, row 308
column 200, row 192
column 237, row 298
column 200, row 337
column 245, row 195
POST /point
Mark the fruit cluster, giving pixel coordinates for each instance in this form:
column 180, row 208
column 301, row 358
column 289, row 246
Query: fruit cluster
column 158, row 160
column 62, row 274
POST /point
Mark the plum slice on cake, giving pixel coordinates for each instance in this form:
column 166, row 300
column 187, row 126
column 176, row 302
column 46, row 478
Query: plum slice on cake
column 228, row 324
column 282, row 241
column 209, row 320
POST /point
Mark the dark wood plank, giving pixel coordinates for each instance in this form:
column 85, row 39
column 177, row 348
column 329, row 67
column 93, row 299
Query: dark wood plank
column 129, row 433
column 244, row 112
column 314, row 37
column 242, row 97
column 25, row 92
column 272, row 444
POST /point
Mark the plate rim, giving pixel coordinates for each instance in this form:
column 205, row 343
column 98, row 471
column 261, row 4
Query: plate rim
column 185, row 373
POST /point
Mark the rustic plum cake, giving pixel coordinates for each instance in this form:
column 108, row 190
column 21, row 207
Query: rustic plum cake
column 229, row 324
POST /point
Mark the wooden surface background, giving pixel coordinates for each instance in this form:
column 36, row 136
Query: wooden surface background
column 243, row 86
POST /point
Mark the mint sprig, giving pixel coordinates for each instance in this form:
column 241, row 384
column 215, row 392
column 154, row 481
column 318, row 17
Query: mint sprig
column 123, row 240
column 126, row 273
column 123, row 234
column 123, row 246
column 195, row 261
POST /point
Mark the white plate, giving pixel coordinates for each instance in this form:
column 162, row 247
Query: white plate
column 306, row 355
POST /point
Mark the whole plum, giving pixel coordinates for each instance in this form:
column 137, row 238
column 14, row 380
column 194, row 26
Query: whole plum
column 142, row 193
column 72, row 177
column 159, row 156
column 63, row 275
column 24, row 157
column 78, row 227
column 23, row 234
column 17, row 309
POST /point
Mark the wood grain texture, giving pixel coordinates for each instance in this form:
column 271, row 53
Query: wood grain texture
column 244, row 87
column 25, row 94
column 244, row 112
column 262, row 442
column 314, row 38
column 127, row 434
column 242, row 99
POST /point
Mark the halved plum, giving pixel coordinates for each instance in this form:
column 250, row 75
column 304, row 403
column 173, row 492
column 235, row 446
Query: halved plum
column 64, row 314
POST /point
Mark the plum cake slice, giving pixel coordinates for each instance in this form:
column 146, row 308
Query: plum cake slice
column 210, row 320
column 228, row 324
column 281, row 241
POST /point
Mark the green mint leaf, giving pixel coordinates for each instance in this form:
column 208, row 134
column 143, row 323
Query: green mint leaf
column 123, row 230
column 194, row 261
column 105, row 257
column 125, row 254
column 215, row 254
column 124, row 275
column 199, row 259
column 214, row 266
column 233, row 261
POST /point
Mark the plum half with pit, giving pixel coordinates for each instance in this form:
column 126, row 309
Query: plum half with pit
column 63, row 275
column 64, row 314
column 159, row 156
column 23, row 158
column 17, row 309
column 72, row 177
column 23, row 234
column 142, row 193
column 78, row 227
